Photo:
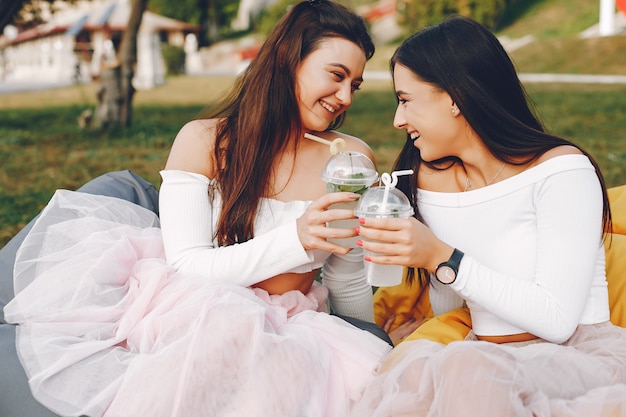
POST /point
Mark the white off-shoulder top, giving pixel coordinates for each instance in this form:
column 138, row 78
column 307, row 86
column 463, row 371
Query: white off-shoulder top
column 188, row 221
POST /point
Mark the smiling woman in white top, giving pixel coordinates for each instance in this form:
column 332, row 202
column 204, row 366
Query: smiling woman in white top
column 218, row 311
column 510, row 222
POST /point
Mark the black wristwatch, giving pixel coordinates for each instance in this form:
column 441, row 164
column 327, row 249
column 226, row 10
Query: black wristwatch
column 446, row 271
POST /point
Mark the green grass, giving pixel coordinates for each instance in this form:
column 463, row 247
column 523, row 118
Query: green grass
column 42, row 148
column 573, row 55
column 547, row 19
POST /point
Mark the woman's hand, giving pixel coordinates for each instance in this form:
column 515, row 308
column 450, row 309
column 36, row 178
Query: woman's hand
column 406, row 242
column 312, row 229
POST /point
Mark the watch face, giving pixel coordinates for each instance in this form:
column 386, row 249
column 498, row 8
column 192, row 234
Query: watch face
column 445, row 274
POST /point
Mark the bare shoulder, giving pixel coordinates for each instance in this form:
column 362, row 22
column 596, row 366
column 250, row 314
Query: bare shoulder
column 192, row 150
column 558, row 151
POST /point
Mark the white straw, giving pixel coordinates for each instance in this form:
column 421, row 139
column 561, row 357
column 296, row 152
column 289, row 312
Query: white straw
column 335, row 146
column 317, row 139
column 390, row 182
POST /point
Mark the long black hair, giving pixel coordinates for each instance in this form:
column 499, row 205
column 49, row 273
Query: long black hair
column 466, row 60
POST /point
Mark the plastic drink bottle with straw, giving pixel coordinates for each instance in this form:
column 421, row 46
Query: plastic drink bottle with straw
column 352, row 172
column 384, row 201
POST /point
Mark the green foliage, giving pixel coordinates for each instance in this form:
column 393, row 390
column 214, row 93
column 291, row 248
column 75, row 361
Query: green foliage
column 268, row 18
column 214, row 16
column 417, row 14
column 266, row 21
column 174, row 57
column 183, row 10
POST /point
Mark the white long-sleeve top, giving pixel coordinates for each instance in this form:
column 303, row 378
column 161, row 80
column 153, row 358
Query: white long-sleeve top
column 534, row 260
column 188, row 221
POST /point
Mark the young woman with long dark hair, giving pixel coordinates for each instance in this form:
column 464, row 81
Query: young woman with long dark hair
column 217, row 312
column 510, row 222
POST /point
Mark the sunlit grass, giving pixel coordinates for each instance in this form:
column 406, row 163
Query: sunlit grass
column 604, row 55
column 176, row 91
column 550, row 18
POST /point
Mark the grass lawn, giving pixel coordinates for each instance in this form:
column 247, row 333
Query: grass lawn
column 549, row 18
column 42, row 147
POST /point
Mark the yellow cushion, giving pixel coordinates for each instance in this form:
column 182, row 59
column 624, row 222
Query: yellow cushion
column 412, row 301
column 617, row 197
column 615, row 247
column 445, row 328
column 404, row 301
column 616, row 277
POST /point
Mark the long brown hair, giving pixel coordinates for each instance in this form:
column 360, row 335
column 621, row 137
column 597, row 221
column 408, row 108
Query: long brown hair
column 261, row 112
column 463, row 58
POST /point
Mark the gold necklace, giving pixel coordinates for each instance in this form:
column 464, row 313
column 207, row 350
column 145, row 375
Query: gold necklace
column 468, row 182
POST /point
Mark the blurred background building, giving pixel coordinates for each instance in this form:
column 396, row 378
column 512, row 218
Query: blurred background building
column 80, row 39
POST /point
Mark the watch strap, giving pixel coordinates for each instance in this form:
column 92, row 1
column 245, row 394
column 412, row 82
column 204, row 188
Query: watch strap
column 455, row 260
column 453, row 263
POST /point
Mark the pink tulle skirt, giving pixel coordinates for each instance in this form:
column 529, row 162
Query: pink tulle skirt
column 106, row 327
column 584, row 377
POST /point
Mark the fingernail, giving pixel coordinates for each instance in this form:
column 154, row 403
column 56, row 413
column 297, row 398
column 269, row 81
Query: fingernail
column 354, row 196
column 359, row 243
column 357, row 230
column 362, row 221
column 367, row 258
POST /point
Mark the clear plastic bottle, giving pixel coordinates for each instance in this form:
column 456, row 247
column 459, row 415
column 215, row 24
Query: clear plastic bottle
column 384, row 202
column 352, row 172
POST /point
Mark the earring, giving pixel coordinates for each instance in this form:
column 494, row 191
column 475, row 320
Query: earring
column 454, row 110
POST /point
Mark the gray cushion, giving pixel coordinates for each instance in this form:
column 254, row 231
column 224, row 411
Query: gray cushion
column 15, row 397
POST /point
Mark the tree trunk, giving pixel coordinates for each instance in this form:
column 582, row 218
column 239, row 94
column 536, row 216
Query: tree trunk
column 115, row 95
column 109, row 98
column 205, row 23
column 127, row 57
column 212, row 22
